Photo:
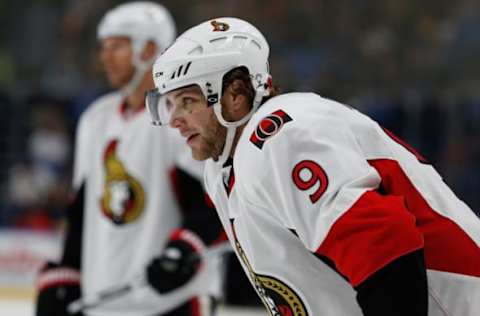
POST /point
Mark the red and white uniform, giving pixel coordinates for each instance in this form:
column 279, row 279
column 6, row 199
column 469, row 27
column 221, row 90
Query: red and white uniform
column 313, row 176
column 130, row 208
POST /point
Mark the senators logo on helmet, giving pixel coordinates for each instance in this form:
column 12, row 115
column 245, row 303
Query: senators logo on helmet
column 268, row 127
column 219, row 26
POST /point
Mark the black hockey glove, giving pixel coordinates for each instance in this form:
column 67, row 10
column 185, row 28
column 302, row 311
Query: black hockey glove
column 57, row 287
column 177, row 264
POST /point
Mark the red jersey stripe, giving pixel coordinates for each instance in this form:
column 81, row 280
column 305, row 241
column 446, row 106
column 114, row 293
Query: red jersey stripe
column 195, row 308
column 375, row 231
column 448, row 247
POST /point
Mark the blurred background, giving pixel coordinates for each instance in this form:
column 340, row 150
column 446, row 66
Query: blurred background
column 412, row 65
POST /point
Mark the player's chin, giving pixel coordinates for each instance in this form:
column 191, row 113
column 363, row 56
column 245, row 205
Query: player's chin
column 199, row 154
column 116, row 84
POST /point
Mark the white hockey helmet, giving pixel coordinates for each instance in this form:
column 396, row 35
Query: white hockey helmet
column 141, row 22
column 202, row 56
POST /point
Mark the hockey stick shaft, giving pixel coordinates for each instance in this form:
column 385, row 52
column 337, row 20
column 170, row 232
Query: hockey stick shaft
column 119, row 291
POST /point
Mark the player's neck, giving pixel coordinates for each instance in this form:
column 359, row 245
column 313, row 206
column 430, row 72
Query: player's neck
column 135, row 101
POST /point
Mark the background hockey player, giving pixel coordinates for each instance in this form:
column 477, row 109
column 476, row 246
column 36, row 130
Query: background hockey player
column 330, row 214
column 125, row 211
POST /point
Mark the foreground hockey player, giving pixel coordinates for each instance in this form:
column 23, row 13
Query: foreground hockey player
column 125, row 212
column 329, row 213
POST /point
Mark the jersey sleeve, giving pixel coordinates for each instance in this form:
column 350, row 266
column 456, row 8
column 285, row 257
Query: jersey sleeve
column 313, row 177
column 82, row 152
column 72, row 246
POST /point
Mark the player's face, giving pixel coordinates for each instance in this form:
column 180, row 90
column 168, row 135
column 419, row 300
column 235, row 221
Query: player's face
column 196, row 122
column 116, row 56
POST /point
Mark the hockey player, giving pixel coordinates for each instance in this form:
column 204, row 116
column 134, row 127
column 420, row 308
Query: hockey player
column 330, row 214
column 125, row 211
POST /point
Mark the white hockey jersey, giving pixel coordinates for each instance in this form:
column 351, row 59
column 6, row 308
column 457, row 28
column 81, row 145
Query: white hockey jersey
column 129, row 207
column 312, row 176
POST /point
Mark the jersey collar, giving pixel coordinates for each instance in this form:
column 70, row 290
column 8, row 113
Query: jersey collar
column 126, row 113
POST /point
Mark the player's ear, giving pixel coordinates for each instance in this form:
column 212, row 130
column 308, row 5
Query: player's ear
column 149, row 51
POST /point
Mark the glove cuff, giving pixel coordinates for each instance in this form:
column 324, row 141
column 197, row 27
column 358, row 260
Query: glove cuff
column 189, row 237
column 57, row 276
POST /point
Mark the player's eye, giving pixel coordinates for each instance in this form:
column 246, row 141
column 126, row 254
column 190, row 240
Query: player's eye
column 188, row 103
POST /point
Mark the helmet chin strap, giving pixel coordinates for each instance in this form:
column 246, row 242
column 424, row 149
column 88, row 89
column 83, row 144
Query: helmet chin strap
column 141, row 68
column 260, row 92
column 231, row 131
column 133, row 84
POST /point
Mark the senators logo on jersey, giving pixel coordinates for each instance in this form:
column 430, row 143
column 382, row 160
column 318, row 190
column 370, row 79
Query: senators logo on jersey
column 123, row 197
column 268, row 127
column 278, row 297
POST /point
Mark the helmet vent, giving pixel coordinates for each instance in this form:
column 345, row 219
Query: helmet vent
column 239, row 41
column 218, row 41
column 256, row 44
column 240, row 36
column 196, row 51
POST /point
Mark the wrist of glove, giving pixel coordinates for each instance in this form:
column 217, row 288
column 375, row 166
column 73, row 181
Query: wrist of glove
column 57, row 286
column 177, row 264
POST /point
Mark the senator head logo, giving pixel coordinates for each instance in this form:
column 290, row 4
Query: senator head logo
column 279, row 298
column 123, row 199
column 268, row 127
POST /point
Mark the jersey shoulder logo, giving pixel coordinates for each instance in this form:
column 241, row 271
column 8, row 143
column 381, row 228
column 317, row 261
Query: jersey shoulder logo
column 124, row 197
column 268, row 127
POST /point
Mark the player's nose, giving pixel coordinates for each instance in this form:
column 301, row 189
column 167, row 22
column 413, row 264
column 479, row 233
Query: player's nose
column 177, row 121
